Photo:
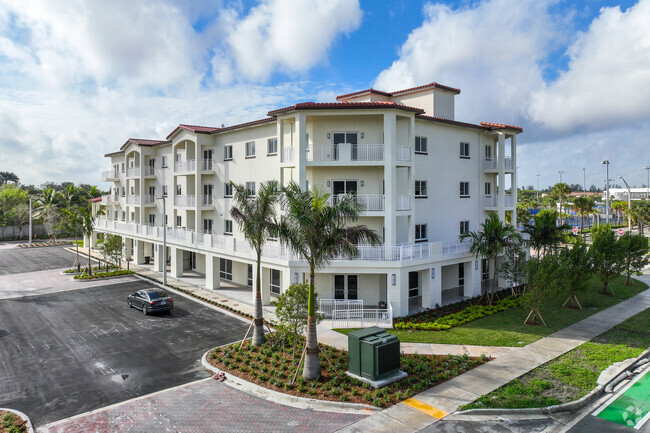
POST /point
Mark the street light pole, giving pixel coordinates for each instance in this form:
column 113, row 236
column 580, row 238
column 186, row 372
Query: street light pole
column 647, row 184
column 629, row 205
column 30, row 222
column 164, row 254
column 606, row 162
column 561, row 172
column 584, row 182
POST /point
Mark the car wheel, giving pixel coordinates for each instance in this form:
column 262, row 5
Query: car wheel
column 128, row 302
column 144, row 310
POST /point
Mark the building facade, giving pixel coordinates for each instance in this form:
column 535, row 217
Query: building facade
column 421, row 177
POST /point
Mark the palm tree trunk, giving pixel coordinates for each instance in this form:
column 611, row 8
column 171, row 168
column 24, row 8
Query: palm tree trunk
column 258, row 330
column 311, row 371
column 90, row 269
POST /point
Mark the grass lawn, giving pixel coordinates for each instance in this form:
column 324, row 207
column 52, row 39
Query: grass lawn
column 507, row 328
column 575, row 373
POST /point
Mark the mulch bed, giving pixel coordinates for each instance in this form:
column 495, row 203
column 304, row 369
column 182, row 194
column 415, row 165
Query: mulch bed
column 10, row 423
column 273, row 366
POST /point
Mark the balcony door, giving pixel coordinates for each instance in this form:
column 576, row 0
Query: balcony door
column 340, row 187
column 344, row 137
column 346, row 287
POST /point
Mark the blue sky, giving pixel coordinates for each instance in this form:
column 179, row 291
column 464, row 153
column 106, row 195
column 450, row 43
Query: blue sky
column 79, row 78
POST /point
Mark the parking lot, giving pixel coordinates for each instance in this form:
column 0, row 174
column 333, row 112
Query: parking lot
column 69, row 352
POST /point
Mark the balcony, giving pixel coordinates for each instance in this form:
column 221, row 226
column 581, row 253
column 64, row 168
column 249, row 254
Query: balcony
column 149, row 171
column 369, row 202
column 149, row 200
column 132, row 199
column 109, row 199
column 493, row 163
column 207, row 165
column 207, row 200
column 403, row 202
column 287, row 154
column 492, row 201
column 185, row 200
column 185, row 167
column 133, row 171
column 110, row 176
column 404, row 153
column 346, row 152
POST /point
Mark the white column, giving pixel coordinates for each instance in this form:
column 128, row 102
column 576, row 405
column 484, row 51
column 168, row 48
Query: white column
column 390, row 178
column 158, row 257
column 513, row 154
column 501, row 197
column 301, row 149
column 398, row 293
column 138, row 252
column 212, row 281
column 128, row 247
column 431, row 286
column 177, row 262
column 266, row 285
column 472, row 279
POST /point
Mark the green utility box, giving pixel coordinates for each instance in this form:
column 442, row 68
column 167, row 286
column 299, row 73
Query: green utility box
column 373, row 353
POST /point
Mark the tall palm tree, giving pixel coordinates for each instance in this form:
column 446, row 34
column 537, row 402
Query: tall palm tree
column 319, row 233
column 73, row 221
column 543, row 232
column 47, row 210
column 582, row 205
column 256, row 216
column 490, row 241
column 87, row 222
column 561, row 191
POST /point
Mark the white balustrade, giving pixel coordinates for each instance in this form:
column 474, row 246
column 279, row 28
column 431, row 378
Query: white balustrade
column 404, row 153
column 188, row 166
column 133, row 171
column 185, row 200
column 287, row 154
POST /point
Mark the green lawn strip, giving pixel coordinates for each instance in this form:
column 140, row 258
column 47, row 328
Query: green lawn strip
column 507, row 328
column 575, row 373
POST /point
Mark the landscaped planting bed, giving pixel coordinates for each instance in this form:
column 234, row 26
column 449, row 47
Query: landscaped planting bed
column 108, row 274
column 574, row 374
column 272, row 367
column 11, row 423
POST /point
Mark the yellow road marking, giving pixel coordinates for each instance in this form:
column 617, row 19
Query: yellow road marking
column 423, row 407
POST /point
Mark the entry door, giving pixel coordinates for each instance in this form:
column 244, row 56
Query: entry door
column 207, row 193
column 207, row 226
column 344, row 137
column 343, row 187
column 346, row 287
column 414, row 284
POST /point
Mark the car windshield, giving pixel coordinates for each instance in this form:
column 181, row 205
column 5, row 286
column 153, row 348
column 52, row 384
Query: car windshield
column 154, row 294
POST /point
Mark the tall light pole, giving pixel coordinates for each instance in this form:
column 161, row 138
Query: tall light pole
column 647, row 184
column 584, row 182
column 538, row 190
column 606, row 162
column 164, row 254
column 629, row 205
column 30, row 222
column 561, row 172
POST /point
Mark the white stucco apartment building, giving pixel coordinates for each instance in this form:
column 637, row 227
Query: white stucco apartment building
column 421, row 176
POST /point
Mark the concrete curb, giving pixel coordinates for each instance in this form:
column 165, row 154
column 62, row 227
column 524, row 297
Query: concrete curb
column 287, row 399
column 572, row 405
column 29, row 426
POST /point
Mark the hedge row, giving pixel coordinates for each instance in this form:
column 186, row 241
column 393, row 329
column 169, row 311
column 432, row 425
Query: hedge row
column 96, row 275
column 466, row 315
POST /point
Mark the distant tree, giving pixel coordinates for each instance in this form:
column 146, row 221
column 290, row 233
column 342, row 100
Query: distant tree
column 608, row 260
column 560, row 192
column 576, row 268
column 7, row 176
column 620, row 208
column 18, row 217
column 10, row 197
column 582, row 205
column 542, row 283
column 641, row 213
column 633, row 252
column 47, row 209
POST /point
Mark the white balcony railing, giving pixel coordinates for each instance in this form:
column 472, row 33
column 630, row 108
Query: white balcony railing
column 493, row 163
column 185, row 200
column 110, row 175
column 108, row 199
column 287, row 154
column 368, row 202
column 149, row 199
column 207, row 200
column 350, row 318
column 323, row 153
column 455, row 247
column 404, row 153
column 367, row 152
column 188, row 166
column 149, row 170
column 346, row 152
column 509, row 200
column 493, row 201
column 403, row 202
column 207, row 165
column 133, row 171
column 132, row 199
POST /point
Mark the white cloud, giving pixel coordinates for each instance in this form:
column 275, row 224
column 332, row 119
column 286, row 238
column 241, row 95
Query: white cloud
column 283, row 35
column 492, row 51
column 608, row 79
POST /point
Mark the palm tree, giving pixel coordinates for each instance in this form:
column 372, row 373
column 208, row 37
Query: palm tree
column 73, row 221
column 47, row 209
column 87, row 220
column 544, row 233
column 561, row 191
column 490, row 241
column 582, row 205
column 319, row 233
column 256, row 217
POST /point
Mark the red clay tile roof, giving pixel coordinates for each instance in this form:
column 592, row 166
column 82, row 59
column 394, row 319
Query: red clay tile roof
column 241, row 125
column 501, row 126
column 143, row 142
column 119, row 152
column 345, row 105
column 194, row 128
column 379, row 92
column 95, row 200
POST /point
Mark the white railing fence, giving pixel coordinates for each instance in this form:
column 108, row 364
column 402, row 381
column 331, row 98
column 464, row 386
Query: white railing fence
column 351, row 314
column 287, row 154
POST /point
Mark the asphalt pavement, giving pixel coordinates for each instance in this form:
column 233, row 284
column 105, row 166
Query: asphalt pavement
column 15, row 260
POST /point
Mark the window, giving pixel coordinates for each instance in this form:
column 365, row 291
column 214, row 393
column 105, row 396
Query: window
column 464, row 189
column 421, row 145
column 485, row 270
column 461, row 274
column 108, row 214
column 164, row 190
column 132, row 216
column 420, row 232
column 179, row 157
column 227, row 227
column 123, row 215
column 122, row 167
column 274, row 281
column 152, row 219
column 420, row 189
column 250, row 149
column 488, row 153
column 115, row 216
column 164, row 161
column 272, row 146
column 225, row 269
column 227, row 189
column 132, row 190
column 123, row 192
column 179, row 190
column 250, row 188
column 488, row 188
column 464, row 227
column 464, row 150
column 207, row 226
column 227, row 153
column 179, row 221
column 249, row 277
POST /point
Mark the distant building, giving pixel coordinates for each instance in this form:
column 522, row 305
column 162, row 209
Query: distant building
column 635, row 193
column 422, row 177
